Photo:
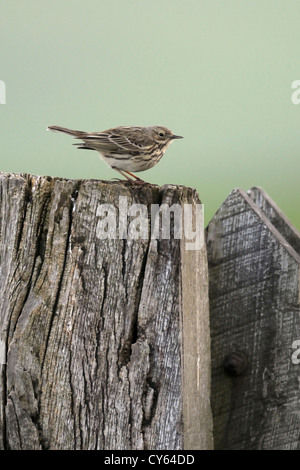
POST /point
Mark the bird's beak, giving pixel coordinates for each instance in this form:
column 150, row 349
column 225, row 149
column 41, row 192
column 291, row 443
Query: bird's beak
column 177, row 137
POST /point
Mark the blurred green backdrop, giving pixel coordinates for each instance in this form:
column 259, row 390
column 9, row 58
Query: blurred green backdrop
column 217, row 72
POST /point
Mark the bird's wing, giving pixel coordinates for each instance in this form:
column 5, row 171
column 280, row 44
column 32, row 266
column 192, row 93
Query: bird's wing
column 128, row 143
column 111, row 140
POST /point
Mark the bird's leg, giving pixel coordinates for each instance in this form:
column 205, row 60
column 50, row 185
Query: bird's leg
column 136, row 177
column 123, row 173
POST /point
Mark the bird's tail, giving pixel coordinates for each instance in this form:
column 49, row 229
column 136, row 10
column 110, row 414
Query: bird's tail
column 64, row 130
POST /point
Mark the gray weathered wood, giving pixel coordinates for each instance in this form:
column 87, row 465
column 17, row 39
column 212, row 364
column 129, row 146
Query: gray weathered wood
column 275, row 215
column 104, row 344
column 254, row 275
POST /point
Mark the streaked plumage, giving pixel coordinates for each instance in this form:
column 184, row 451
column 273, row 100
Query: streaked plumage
column 126, row 149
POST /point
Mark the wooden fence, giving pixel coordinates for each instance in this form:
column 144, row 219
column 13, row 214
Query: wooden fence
column 105, row 340
column 254, row 272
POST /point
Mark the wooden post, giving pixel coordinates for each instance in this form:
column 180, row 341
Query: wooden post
column 254, row 272
column 104, row 343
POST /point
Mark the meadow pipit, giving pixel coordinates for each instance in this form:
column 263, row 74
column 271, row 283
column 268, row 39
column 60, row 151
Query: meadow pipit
column 126, row 149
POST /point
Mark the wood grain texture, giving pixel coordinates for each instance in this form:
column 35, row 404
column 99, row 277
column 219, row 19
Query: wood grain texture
column 91, row 341
column 254, row 277
column 275, row 215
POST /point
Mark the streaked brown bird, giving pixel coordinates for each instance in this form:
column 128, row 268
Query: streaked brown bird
column 126, row 149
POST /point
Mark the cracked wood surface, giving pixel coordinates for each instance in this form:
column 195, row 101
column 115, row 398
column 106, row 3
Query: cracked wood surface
column 104, row 344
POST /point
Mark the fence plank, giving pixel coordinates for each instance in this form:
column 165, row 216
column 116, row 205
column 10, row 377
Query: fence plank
column 254, row 277
column 91, row 333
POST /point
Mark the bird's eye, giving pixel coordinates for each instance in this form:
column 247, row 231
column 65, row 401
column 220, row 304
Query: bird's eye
column 161, row 134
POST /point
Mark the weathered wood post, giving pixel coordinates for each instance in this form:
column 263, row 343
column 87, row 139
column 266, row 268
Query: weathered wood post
column 104, row 342
column 254, row 272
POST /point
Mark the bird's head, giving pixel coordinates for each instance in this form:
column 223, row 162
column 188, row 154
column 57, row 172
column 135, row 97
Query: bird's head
column 163, row 134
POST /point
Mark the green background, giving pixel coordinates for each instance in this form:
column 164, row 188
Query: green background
column 217, row 72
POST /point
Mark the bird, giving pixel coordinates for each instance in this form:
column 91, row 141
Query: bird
column 126, row 149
